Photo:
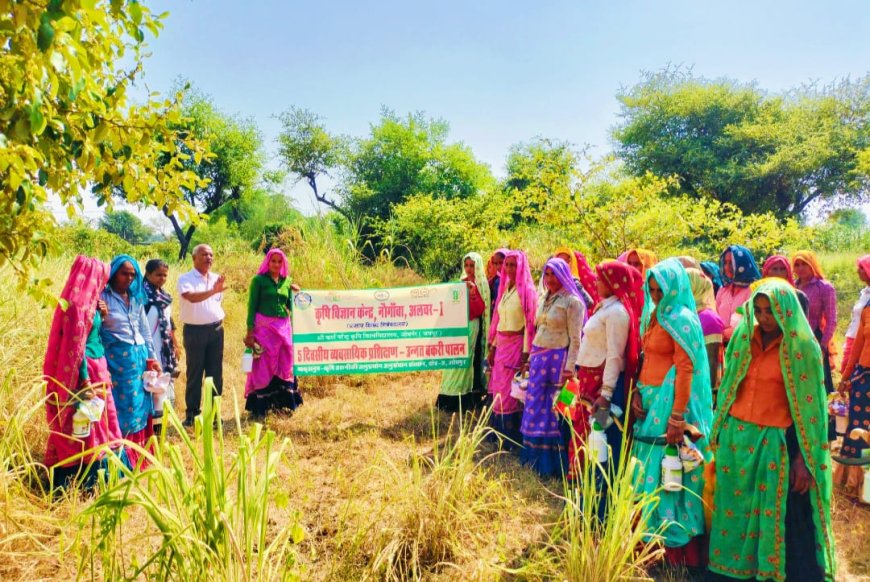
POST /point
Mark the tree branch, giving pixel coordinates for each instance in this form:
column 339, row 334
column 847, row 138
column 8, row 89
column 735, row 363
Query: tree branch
column 799, row 207
column 312, row 181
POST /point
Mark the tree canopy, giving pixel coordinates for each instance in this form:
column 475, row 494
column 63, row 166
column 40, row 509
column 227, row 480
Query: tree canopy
column 735, row 143
column 232, row 168
column 126, row 225
column 67, row 122
column 407, row 156
column 308, row 151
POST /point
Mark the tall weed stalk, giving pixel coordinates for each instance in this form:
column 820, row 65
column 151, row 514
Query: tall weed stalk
column 441, row 508
column 207, row 517
column 583, row 546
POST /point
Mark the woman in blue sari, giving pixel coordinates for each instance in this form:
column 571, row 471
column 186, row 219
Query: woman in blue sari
column 673, row 391
column 126, row 337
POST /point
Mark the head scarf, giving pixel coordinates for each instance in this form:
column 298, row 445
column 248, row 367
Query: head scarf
column 810, row 258
column 563, row 273
column 677, row 304
column 702, row 289
column 285, row 264
column 136, row 290
column 677, row 314
column 801, row 362
column 864, row 264
column 712, row 270
column 774, row 260
column 482, row 288
column 743, row 263
column 70, row 326
column 525, row 291
column 491, row 271
column 626, row 283
column 587, row 278
column 572, row 260
column 646, row 258
column 689, row 262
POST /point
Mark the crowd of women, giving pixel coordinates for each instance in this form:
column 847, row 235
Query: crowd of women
column 114, row 324
column 724, row 361
column 720, row 360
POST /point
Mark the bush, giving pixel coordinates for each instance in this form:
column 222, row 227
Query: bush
column 84, row 240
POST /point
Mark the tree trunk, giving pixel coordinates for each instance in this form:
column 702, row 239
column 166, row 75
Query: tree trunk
column 182, row 236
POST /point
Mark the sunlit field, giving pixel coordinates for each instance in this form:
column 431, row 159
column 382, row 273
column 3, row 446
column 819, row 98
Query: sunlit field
column 364, row 481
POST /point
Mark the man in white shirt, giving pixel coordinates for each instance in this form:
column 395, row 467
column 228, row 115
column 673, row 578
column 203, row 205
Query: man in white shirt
column 201, row 293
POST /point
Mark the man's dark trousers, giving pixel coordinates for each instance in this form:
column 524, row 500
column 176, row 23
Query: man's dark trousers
column 204, row 349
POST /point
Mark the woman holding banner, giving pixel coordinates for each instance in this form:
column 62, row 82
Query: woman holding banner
column 510, row 337
column 465, row 388
column 271, row 384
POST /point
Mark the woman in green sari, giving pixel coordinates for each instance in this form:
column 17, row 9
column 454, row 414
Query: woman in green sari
column 673, row 391
column 772, row 512
column 465, row 388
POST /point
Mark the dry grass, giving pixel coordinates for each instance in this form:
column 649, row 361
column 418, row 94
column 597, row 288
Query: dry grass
column 363, row 469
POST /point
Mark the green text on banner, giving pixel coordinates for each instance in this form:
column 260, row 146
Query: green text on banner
column 375, row 331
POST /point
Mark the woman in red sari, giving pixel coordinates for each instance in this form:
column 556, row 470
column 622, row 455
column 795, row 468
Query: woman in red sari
column 609, row 354
column 75, row 371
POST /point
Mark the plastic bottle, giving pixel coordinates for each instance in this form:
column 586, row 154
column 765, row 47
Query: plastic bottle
column 865, row 491
column 672, row 469
column 248, row 361
column 598, row 443
column 81, row 425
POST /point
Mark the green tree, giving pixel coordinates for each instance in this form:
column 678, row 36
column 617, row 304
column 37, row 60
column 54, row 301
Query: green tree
column 126, row 225
column 849, row 218
column 407, row 156
column 66, row 121
column 540, row 178
column 310, row 152
column 233, row 167
column 735, row 143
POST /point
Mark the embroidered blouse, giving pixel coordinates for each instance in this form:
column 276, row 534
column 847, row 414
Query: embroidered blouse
column 558, row 323
column 604, row 338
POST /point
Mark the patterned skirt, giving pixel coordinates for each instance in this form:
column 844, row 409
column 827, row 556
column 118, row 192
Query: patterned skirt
column 760, row 529
column 680, row 513
column 852, row 476
column 545, row 432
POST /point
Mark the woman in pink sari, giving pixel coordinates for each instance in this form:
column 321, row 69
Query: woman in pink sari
column 271, row 384
column 510, row 338
column 75, row 371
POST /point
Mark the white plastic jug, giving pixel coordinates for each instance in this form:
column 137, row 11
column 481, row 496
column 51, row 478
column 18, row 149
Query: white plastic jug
column 672, row 469
column 598, row 444
column 248, row 361
column 159, row 386
column 865, row 491
column 81, row 425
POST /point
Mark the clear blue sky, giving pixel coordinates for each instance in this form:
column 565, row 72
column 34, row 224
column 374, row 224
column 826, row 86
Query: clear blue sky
column 498, row 72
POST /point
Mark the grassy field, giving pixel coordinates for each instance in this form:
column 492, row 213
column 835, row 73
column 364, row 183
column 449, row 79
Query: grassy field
column 370, row 484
